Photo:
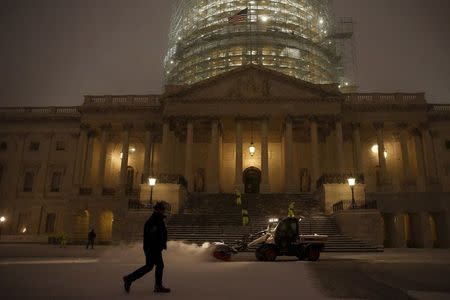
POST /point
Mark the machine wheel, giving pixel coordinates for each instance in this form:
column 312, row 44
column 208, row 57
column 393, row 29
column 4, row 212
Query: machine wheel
column 259, row 253
column 222, row 255
column 266, row 252
column 301, row 253
column 313, row 253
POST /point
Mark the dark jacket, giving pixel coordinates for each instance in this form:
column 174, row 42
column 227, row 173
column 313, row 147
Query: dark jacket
column 91, row 235
column 155, row 233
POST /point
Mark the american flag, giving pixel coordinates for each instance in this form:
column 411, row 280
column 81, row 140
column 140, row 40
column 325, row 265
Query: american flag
column 239, row 17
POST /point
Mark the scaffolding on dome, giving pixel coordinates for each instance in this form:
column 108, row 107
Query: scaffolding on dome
column 296, row 37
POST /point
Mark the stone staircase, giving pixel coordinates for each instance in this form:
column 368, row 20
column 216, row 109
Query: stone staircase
column 215, row 217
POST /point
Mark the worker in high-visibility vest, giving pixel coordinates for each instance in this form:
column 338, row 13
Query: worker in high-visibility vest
column 291, row 212
column 62, row 240
column 238, row 197
column 245, row 217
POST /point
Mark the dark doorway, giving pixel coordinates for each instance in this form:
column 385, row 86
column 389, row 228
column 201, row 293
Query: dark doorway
column 130, row 178
column 252, row 179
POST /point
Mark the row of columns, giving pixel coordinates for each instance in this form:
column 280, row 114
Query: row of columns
column 423, row 143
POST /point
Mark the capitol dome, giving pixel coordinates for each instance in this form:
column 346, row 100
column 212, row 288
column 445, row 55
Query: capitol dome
column 210, row 37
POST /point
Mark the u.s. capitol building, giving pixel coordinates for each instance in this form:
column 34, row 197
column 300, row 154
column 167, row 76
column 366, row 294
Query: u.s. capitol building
column 265, row 119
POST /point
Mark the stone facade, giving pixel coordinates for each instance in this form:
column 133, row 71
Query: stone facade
column 65, row 169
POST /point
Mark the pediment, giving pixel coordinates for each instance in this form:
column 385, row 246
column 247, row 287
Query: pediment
column 253, row 82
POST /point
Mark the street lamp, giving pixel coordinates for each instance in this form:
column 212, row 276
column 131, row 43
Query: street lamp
column 151, row 183
column 352, row 183
column 2, row 220
column 252, row 148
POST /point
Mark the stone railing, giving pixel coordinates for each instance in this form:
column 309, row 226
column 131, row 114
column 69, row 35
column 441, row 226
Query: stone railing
column 377, row 98
column 130, row 100
column 69, row 110
column 108, row 192
column 147, row 205
column 439, row 108
column 339, row 178
column 347, row 204
column 85, row 191
column 172, row 178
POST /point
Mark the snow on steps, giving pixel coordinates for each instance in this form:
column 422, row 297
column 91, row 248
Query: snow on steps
column 215, row 217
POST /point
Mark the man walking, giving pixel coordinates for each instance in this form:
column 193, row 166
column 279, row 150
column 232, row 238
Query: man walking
column 91, row 239
column 155, row 241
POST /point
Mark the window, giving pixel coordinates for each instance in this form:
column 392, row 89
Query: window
column 447, row 144
column 50, row 223
column 28, row 182
column 60, row 146
column 34, row 146
column 3, row 146
column 56, row 182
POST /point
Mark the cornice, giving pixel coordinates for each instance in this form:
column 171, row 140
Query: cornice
column 265, row 100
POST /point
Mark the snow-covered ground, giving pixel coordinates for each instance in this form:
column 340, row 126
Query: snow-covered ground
column 49, row 272
column 190, row 272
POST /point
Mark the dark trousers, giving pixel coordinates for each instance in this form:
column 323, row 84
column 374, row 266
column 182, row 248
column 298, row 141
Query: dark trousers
column 151, row 259
column 90, row 242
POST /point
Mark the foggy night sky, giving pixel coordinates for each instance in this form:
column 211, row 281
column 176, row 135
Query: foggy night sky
column 54, row 51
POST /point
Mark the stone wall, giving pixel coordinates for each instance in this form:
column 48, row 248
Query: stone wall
column 335, row 192
column 364, row 225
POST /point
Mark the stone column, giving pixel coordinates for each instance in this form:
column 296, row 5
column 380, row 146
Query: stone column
column 213, row 178
column 148, row 143
column 380, row 142
column 188, row 156
column 125, row 152
column 438, row 147
column 164, row 164
column 405, row 154
column 17, row 171
column 105, row 129
column 398, row 236
column 288, row 157
column 87, row 174
column 429, row 157
column 265, row 185
column 421, row 173
column 315, row 172
column 357, row 152
column 42, row 179
column 238, row 184
column 81, row 154
column 339, row 147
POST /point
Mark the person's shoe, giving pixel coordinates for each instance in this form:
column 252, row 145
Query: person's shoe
column 126, row 284
column 161, row 289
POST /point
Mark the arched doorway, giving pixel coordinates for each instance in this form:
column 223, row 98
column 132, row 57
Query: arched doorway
column 252, row 180
column 106, row 220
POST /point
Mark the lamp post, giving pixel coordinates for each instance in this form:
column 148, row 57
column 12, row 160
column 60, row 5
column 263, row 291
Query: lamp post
column 2, row 220
column 252, row 148
column 352, row 183
column 151, row 183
